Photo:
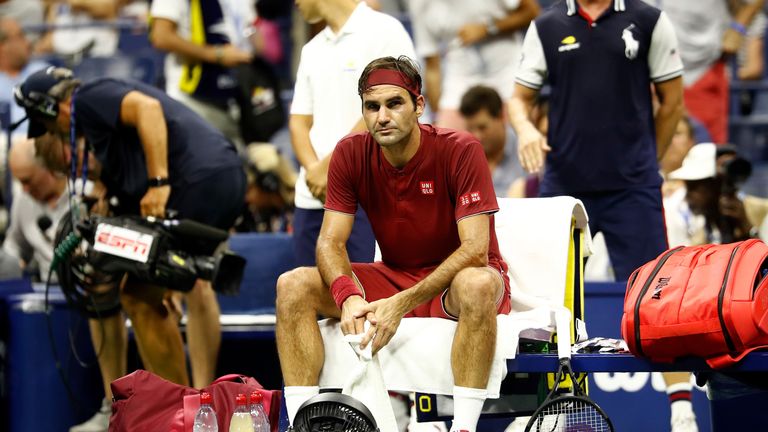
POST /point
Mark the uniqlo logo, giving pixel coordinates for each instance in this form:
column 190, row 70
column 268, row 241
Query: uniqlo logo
column 469, row 198
column 427, row 187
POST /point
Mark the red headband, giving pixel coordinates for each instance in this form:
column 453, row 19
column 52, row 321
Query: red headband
column 391, row 77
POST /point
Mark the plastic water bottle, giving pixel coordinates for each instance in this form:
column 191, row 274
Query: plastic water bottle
column 241, row 420
column 260, row 418
column 205, row 419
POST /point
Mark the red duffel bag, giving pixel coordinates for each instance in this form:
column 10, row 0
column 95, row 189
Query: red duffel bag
column 708, row 301
column 142, row 401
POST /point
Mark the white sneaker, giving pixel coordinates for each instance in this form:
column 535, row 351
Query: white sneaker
column 99, row 422
column 684, row 423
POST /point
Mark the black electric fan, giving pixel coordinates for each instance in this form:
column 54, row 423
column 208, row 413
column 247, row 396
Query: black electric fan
column 334, row 412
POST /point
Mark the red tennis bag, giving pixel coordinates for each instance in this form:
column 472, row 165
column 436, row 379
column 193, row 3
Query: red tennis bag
column 145, row 402
column 708, row 301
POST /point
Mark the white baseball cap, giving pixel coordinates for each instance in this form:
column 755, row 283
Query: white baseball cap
column 700, row 163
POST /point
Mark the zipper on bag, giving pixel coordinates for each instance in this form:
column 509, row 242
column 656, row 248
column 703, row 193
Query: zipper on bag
column 646, row 285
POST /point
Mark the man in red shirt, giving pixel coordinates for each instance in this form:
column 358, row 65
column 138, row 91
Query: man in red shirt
column 430, row 199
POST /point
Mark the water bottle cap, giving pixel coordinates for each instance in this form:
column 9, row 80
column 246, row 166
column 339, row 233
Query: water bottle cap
column 205, row 398
column 256, row 397
column 240, row 399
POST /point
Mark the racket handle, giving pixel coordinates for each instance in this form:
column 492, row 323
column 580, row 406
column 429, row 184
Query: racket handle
column 563, row 327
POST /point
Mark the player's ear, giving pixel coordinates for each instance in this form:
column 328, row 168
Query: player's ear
column 420, row 105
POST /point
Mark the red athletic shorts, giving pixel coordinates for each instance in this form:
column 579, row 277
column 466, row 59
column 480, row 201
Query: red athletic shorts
column 380, row 281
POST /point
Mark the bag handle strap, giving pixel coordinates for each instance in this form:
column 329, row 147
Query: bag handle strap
column 230, row 378
column 725, row 360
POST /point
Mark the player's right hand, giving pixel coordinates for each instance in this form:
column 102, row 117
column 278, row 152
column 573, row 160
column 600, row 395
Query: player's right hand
column 531, row 149
column 350, row 324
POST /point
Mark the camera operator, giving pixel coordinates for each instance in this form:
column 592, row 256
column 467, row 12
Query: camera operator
column 718, row 213
column 153, row 154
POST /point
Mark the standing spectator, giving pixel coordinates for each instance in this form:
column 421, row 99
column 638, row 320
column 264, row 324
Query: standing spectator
column 205, row 44
column 601, row 58
column 596, row 84
column 709, row 33
column 483, row 111
column 326, row 107
column 82, row 38
column 15, row 65
column 465, row 43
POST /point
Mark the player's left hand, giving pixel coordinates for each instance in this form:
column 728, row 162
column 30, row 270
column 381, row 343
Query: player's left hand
column 384, row 316
column 154, row 201
column 472, row 33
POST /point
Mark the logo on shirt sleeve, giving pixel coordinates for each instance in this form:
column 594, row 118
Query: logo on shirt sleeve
column 469, row 198
column 427, row 187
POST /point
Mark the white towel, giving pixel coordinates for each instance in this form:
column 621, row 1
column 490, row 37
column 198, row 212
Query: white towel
column 366, row 384
column 534, row 235
column 418, row 358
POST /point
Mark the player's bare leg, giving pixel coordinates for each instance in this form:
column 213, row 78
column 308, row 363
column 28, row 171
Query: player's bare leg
column 472, row 297
column 301, row 296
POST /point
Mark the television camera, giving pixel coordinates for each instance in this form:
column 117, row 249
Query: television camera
column 92, row 257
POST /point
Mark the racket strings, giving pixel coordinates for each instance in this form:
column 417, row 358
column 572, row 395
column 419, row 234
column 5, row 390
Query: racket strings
column 570, row 415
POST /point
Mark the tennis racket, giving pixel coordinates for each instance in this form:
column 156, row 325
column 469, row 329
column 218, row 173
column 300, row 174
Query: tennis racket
column 567, row 412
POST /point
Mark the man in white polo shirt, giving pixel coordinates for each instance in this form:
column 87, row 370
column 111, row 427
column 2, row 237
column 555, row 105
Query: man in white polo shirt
column 326, row 107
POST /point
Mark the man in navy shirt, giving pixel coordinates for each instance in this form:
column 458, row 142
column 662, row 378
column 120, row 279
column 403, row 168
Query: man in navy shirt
column 601, row 58
column 153, row 155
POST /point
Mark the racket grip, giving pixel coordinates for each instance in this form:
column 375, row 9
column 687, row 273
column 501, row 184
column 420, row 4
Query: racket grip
column 563, row 327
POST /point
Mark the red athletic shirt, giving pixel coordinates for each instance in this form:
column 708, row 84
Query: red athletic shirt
column 414, row 210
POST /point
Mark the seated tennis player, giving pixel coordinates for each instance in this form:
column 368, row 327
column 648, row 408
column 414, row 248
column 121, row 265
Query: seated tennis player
column 430, row 199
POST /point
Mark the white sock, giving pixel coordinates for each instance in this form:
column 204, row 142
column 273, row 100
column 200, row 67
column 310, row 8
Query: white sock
column 680, row 399
column 295, row 396
column 467, row 405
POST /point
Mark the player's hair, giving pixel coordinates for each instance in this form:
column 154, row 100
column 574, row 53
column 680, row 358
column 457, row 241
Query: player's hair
column 402, row 64
column 480, row 98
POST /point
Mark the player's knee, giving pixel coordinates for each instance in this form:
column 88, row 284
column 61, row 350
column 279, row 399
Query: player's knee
column 476, row 289
column 293, row 289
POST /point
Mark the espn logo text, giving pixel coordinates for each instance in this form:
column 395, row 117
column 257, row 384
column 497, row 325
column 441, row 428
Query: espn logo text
column 469, row 198
column 122, row 242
